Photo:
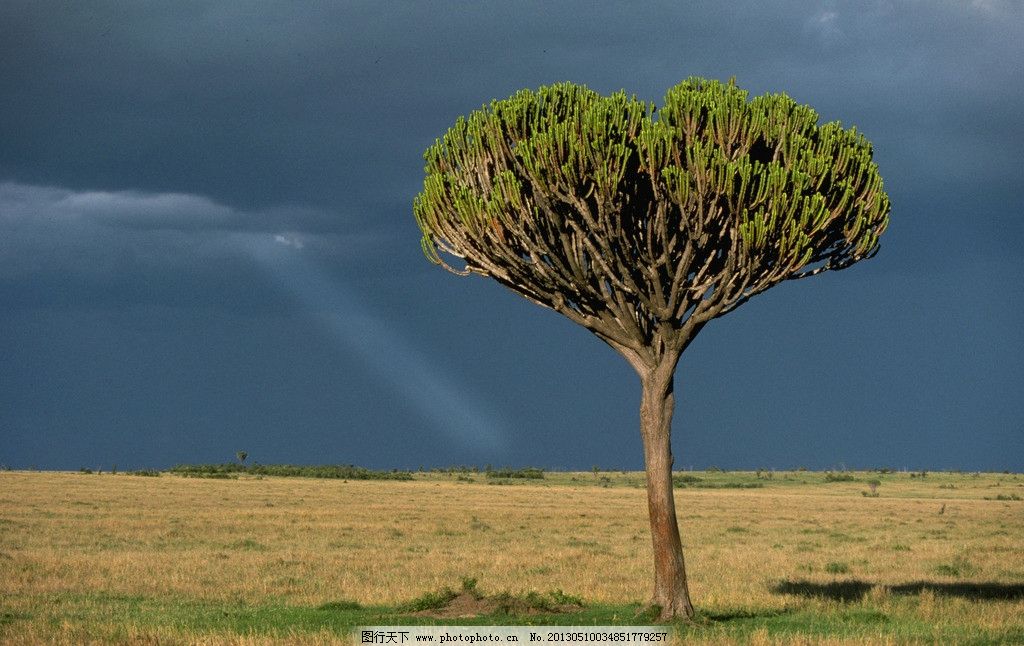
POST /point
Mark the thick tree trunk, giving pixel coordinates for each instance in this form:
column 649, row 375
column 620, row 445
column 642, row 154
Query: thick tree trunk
column 671, row 593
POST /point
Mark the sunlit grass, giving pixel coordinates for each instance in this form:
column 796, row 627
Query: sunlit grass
column 127, row 559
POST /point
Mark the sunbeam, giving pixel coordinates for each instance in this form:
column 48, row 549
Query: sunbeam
column 443, row 403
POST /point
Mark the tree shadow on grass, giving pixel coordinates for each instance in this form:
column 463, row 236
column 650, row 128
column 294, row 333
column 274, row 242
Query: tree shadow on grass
column 854, row 590
column 735, row 615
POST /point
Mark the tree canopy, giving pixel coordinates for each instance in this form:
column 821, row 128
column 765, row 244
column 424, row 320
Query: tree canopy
column 642, row 223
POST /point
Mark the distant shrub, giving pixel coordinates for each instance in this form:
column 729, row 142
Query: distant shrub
column 529, row 473
column 333, row 471
column 873, row 486
column 84, row 470
column 683, row 479
column 149, row 473
column 457, row 468
column 839, row 477
column 725, row 485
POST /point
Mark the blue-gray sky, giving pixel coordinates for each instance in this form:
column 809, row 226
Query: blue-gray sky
column 207, row 245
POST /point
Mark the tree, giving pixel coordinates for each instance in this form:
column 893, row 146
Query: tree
column 644, row 224
column 241, row 455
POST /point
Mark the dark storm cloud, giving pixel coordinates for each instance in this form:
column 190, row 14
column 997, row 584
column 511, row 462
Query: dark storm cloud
column 331, row 106
column 146, row 146
column 59, row 246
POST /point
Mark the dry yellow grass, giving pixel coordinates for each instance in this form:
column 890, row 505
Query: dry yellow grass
column 304, row 542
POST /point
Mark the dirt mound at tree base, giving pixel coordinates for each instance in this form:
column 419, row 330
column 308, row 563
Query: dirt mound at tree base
column 470, row 602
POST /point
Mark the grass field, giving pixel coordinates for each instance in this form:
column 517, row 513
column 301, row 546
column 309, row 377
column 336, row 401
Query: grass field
column 786, row 557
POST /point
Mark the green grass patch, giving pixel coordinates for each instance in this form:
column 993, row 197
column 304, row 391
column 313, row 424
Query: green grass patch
column 837, row 567
column 956, row 568
column 194, row 619
column 337, row 606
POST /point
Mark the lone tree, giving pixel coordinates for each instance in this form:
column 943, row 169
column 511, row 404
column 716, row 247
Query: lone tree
column 642, row 224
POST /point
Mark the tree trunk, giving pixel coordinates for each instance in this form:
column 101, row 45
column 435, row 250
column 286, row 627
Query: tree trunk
column 671, row 593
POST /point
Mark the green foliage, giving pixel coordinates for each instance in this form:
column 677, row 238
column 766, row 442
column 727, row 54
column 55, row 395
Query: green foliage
column 839, row 477
column 583, row 202
column 336, row 471
column 469, row 586
column 563, row 599
column 873, row 485
column 454, row 469
column 528, row 473
column 149, row 473
column 683, row 479
column 430, row 601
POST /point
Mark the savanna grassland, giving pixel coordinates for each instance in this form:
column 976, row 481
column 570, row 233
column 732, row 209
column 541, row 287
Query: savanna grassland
column 785, row 557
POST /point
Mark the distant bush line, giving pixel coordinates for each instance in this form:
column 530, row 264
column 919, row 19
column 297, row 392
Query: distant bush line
column 530, row 473
column 335, row 471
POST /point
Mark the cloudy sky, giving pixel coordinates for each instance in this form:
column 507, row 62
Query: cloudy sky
column 207, row 245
